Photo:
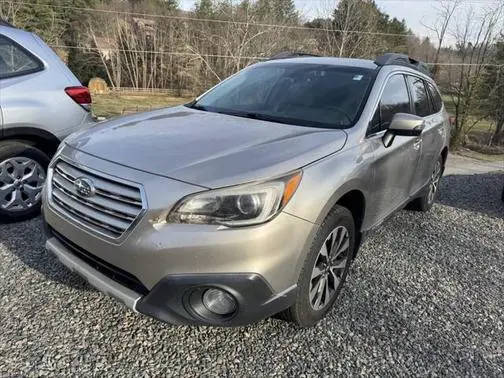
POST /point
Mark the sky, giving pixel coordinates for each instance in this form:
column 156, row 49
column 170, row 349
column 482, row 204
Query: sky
column 417, row 13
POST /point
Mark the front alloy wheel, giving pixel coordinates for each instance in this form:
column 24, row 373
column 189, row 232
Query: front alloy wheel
column 329, row 267
column 325, row 269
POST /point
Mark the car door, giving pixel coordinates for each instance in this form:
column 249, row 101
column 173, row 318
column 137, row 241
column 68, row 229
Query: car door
column 16, row 65
column 394, row 166
column 432, row 135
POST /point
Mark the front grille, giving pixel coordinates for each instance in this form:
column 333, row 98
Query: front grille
column 111, row 210
column 114, row 273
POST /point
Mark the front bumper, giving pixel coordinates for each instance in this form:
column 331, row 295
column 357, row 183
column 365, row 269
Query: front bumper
column 154, row 266
column 169, row 300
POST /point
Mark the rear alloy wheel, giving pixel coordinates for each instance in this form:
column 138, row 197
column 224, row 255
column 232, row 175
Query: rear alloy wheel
column 434, row 183
column 22, row 176
column 325, row 269
column 427, row 200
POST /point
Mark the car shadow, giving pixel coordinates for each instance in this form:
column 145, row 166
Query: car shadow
column 26, row 240
column 480, row 193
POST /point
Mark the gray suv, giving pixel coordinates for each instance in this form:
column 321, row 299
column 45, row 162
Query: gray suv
column 253, row 199
column 41, row 102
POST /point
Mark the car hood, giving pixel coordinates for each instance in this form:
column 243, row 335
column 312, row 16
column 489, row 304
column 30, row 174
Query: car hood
column 206, row 149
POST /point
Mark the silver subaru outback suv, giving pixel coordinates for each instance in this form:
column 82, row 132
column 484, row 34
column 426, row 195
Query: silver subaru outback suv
column 41, row 102
column 253, row 199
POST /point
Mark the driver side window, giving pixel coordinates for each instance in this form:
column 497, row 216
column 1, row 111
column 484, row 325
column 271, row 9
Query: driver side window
column 15, row 61
column 395, row 99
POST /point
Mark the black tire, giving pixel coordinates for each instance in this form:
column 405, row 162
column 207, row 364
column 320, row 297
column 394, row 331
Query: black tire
column 302, row 312
column 9, row 150
column 426, row 201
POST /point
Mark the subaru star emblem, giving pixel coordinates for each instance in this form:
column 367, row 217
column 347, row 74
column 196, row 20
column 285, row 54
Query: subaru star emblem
column 84, row 187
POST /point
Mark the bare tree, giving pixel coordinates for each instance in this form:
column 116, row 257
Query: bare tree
column 440, row 27
column 475, row 35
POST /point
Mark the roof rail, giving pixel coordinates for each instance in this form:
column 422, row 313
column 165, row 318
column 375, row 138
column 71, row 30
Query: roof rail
column 291, row 54
column 5, row 23
column 402, row 60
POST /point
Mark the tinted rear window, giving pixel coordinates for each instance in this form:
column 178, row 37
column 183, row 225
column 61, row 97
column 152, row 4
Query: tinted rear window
column 15, row 60
column 420, row 97
column 437, row 102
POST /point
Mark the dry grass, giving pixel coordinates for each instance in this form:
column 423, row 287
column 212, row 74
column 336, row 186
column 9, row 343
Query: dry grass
column 483, row 125
column 481, row 156
column 116, row 104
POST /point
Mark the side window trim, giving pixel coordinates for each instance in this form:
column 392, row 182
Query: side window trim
column 431, row 98
column 431, row 103
column 410, row 93
column 377, row 105
column 40, row 64
column 433, row 92
column 410, row 89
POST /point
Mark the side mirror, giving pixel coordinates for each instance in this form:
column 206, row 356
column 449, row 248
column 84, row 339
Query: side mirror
column 405, row 125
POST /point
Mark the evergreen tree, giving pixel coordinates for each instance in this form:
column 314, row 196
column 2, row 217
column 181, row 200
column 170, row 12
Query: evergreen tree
column 277, row 11
column 491, row 92
column 85, row 64
column 40, row 18
column 204, row 9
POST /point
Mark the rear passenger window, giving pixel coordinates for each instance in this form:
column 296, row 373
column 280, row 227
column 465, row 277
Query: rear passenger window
column 420, row 97
column 395, row 99
column 15, row 61
column 437, row 102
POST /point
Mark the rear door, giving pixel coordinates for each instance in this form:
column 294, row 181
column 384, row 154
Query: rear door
column 394, row 166
column 432, row 137
column 16, row 64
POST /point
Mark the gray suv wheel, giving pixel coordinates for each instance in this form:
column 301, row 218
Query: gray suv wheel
column 325, row 269
column 426, row 201
column 22, row 176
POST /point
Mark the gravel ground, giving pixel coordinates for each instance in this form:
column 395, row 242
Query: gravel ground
column 425, row 296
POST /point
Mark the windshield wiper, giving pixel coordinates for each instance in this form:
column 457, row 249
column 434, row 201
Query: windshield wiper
column 253, row 115
column 195, row 105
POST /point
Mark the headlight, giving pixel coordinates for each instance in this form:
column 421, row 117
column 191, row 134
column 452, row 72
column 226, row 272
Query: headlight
column 242, row 205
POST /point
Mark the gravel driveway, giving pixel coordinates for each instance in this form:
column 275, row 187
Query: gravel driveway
column 425, row 296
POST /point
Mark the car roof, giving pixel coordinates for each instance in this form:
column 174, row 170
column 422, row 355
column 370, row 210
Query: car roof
column 11, row 31
column 348, row 62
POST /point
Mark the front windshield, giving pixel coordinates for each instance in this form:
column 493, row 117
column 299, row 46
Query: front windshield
column 301, row 94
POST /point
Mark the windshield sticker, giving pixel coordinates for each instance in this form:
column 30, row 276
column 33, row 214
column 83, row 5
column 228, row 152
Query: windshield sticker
column 358, row 77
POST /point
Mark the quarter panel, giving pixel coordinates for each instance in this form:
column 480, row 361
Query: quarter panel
column 38, row 99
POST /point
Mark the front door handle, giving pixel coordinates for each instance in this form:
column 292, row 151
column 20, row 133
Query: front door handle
column 417, row 144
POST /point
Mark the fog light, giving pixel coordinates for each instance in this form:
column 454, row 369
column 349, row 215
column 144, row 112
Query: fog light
column 219, row 302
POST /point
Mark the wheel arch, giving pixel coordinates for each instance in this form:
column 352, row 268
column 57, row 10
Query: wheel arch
column 354, row 201
column 352, row 197
column 41, row 139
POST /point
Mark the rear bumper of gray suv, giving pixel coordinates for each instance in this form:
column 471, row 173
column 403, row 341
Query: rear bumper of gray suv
column 155, row 266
